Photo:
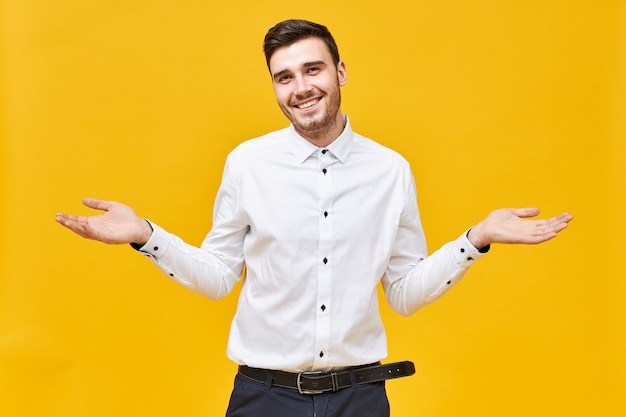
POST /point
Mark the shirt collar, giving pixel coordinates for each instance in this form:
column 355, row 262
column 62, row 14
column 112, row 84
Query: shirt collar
column 340, row 147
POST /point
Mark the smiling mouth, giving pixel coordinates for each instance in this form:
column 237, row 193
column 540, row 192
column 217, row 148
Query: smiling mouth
column 307, row 104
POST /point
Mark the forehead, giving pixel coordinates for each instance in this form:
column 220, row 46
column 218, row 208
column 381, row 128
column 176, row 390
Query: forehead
column 295, row 55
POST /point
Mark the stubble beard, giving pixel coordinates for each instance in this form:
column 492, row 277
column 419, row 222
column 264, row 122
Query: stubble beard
column 317, row 127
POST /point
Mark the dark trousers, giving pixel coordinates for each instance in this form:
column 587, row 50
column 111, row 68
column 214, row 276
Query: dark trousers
column 256, row 399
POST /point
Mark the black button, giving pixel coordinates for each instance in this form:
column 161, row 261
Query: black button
column 325, row 261
column 324, row 171
column 323, row 307
column 469, row 258
column 156, row 248
column 462, row 250
column 321, row 354
column 324, row 151
column 325, row 214
column 171, row 275
column 449, row 282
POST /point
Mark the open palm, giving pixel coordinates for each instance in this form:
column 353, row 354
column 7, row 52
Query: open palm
column 118, row 223
column 513, row 225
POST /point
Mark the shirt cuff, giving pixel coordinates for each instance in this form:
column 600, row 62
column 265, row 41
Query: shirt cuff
column 484, row 249
column 155, row 244
column 465, row 252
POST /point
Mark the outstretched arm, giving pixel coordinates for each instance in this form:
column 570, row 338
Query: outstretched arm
column 212, row 274
column 118, row 223
column 511, row 225
column 436, row 274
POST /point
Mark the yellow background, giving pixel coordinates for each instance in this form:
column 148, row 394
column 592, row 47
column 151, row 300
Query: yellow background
column 495, row 103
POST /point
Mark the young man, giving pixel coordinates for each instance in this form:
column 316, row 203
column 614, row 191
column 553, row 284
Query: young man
column 319, row 215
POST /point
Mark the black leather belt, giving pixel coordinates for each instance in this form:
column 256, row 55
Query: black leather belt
column 319, row 382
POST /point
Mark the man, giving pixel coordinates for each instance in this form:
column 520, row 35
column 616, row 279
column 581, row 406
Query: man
column 319, row 215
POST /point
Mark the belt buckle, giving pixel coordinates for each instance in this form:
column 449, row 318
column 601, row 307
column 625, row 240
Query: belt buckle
column 307, row 391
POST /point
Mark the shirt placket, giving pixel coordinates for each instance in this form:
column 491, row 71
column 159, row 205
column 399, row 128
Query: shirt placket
column 324, row 274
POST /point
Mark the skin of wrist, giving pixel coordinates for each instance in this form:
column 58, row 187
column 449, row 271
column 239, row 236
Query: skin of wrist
column 146, row 232
column 476, row 236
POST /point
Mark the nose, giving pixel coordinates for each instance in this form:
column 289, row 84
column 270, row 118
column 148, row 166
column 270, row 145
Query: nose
column 302, row 86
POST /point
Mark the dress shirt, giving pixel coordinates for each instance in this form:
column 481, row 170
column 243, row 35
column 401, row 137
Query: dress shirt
column 317, row 230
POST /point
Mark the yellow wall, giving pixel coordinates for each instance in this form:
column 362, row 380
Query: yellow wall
column 495, row 103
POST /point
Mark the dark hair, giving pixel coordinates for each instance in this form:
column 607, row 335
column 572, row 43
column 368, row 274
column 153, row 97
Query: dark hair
column 290, row 31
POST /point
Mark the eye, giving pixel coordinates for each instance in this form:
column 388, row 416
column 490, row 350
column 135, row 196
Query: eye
column 284, row 79
column 313, row 70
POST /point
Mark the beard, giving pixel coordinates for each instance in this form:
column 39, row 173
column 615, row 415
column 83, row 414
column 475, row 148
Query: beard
column 318, row 125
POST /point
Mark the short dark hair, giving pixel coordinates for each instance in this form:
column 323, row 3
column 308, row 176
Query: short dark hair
column 290, row 31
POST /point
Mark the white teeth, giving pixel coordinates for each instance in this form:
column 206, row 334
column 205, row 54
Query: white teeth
column 307, row 104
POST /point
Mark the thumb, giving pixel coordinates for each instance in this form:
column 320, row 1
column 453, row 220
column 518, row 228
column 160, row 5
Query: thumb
column 97, row 204
column 526, row 212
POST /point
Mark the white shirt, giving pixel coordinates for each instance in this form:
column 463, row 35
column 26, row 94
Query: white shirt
column 317, row 230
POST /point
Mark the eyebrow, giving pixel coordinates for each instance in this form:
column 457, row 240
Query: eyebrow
column 305, row 65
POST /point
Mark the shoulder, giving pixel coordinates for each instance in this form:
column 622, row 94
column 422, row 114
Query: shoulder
column 252, row 149
column 383, row 154
column 251, row 146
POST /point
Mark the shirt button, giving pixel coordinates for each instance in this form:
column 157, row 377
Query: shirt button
column 321, row 354
column 325, row 214
column 324, row 151
column 156, row 248
column 462, row 250
column 324, row 171
column 323, row 307
column 325, row 261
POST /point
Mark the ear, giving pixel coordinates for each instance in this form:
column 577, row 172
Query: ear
column 342, row 75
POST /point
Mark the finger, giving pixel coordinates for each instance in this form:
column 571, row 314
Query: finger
column 74, row 223
column 68, row 220
column 559, row 222
column 550, row 227
column 565, row 217
column 64, row 219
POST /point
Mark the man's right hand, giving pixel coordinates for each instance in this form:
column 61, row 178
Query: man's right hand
column 118, row 223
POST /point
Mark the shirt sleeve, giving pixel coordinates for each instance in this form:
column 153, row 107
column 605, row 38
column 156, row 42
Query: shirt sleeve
column 214, row 268
column 414, row 279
